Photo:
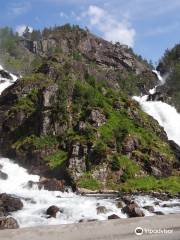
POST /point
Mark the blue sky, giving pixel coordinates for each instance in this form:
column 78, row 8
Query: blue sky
column 149, row 26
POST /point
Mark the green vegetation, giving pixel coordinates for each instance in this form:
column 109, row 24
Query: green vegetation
column 56, row 159
column 129, row 167
column 38, row 142
column 87, row 181
column 149, row 183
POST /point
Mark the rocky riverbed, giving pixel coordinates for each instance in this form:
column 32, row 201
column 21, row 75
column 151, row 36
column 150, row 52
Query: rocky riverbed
column 23, row 204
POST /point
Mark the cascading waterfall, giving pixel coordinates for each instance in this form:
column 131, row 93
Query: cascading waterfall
column 74, row 207
column 165, row 114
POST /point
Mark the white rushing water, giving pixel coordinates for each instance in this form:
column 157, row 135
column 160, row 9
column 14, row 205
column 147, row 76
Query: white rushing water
column 165, row 114
column 4, row 82
column 74, row 207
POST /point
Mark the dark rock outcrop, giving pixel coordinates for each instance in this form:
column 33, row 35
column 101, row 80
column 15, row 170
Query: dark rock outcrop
column 113, row 216
column 52, row 211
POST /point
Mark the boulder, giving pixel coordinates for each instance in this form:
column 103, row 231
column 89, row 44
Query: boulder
column 101, row 209
column 52, row 211
column 119, row 204
column 133, row 210
column 149, row 208
column 97, row 118
column 159, row 213
column 130, row 144
column 10, row 203
column 113, row 216
column 8, row 223
column 3, row 175
column 50, row 184
column 171, row 205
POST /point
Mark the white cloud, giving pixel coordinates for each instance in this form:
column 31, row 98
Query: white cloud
column 21, row 28
column 111, row 29
column 17, row 9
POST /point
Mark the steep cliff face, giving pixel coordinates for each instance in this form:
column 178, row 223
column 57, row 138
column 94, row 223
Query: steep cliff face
column 169, row 66
column 73, row 118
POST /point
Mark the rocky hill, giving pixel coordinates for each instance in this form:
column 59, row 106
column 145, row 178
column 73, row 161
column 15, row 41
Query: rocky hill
column 73, row 117
column 169, row 66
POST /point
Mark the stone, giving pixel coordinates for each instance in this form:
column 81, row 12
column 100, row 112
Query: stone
column 97, row 118
column 119, row 204
column 5, row 74
column 113, row 216
column 171, row 205
column 159, row 213
column 130, row 144
column 149, row 208
column 50, row 184
column 8, row 223
column 133, row 210
column 101, row 209
column 3, row 175
column 52, row 211
column 10, row 203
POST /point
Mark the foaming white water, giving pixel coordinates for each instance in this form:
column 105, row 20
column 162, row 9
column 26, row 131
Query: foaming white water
column 165, row 114
column 36, row 202
column 5, row 83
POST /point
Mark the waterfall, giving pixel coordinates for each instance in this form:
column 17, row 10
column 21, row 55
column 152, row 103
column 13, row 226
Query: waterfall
column 74, row 207
column 166, row 115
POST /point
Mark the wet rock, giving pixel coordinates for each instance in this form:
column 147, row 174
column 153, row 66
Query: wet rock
column 10, row 203
column 113, row 216
column 8, row 223
column 97, row 118
column 50, row 184
column 4, row 74
column 52, row 211
column 127, row 199
column 159, row 213
column 119, row 204
column 3, row 175
column 2, row 212
column 171, row 205
column 149, row 208
column 87, row 220
column 133, row 210
column 101, row 209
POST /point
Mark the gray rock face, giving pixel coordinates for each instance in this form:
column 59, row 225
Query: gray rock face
column 97, row 118
column 130, row 144
column 77, row 160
